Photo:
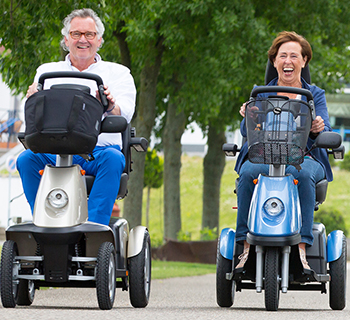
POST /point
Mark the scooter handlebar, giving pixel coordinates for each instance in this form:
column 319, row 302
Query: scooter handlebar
column 263, row 89
column 76, row 74
column 301, row 91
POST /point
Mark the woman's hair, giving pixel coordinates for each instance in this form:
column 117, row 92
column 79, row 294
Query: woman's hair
column 286, row 36
column 81, row 13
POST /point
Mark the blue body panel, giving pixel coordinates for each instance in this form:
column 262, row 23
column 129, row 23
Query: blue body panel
column 334, row 245
column 288, row 222
column 227, row 243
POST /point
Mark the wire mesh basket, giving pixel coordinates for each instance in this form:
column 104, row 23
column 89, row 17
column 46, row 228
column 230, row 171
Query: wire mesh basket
column 277, row 130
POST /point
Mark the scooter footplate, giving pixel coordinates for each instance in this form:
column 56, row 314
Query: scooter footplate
column 312, row 276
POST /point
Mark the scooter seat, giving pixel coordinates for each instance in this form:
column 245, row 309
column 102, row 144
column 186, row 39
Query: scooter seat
column 122, row 187
column 321, row 191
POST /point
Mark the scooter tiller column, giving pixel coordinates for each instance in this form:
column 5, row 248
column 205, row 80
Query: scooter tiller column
column 259, row 268
column 285, row 268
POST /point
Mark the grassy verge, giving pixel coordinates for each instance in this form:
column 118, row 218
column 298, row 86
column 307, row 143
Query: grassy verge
column 170, row 269
column 191, row 199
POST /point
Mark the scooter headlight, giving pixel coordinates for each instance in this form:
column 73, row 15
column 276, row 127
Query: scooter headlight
column 57, row 199
column 273, row 206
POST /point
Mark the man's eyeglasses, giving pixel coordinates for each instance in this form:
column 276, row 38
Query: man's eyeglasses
column 89, row 35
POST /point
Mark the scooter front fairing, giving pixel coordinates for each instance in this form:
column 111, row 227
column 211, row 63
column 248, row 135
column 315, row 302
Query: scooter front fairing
column 275, row 208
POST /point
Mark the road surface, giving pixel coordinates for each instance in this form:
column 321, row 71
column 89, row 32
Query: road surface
column 177, row 298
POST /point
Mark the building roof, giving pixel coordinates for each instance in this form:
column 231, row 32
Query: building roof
column 338, row 105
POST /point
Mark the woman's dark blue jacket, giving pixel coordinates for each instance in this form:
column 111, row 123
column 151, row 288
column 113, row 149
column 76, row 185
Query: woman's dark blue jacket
column 318, row 154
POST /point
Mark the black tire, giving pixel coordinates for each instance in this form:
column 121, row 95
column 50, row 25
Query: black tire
column 272, row 276
column 140, row 275
column 9, row 286
column 337, row 284
column 26, row 292
column 106, row 276
column 224, row 288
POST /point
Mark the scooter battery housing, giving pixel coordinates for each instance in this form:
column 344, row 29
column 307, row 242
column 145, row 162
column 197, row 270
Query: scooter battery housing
column 316, row 254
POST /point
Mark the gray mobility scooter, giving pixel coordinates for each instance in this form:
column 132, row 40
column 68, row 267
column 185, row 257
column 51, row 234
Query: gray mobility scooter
column 60, row 248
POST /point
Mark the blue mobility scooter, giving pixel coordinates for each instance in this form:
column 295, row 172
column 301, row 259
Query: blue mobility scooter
column 60, row 248
column 277, row 133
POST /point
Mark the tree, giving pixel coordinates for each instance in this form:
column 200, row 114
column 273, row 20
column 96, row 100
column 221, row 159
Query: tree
column 215, row 50
column 154, row 167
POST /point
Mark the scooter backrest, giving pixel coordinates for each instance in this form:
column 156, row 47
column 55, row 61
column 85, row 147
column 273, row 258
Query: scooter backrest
column 71, row 86
column 271, row 73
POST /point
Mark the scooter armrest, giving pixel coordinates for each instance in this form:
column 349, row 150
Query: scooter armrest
column 230, row 149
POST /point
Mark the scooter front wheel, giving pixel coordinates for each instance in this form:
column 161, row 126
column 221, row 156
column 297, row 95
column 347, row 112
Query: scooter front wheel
column 26, row 292
column 9, row 270
column 272, row 279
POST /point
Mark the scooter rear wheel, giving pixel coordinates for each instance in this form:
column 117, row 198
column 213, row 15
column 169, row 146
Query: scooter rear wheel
column 272, row 279
column 337, row 284
column 140, row 275
column 225, row 289
column 26, row 292
column 9, row 286
column 106, row 276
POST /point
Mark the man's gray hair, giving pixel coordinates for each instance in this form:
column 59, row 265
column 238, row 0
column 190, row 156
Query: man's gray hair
column 81, row 13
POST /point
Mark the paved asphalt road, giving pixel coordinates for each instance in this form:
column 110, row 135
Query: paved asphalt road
column 177, row 298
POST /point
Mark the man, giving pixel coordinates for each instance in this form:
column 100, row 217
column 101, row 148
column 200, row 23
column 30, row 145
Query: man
column 82, row 37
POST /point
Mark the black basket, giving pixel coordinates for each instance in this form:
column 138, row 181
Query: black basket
column 62, row 121
column 277, row 130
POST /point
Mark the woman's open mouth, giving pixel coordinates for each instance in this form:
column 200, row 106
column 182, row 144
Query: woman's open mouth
column 288, row 71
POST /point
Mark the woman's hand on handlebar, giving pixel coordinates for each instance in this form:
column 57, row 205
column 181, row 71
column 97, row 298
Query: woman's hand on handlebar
column 32, row 89
column 251, row 111
column 242, row 109
column 317, row 125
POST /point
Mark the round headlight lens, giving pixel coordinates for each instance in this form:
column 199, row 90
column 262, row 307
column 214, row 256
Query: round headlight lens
column 57, row 199
column 273, row 206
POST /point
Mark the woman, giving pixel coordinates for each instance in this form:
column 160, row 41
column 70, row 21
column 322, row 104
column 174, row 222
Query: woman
column 289, row 53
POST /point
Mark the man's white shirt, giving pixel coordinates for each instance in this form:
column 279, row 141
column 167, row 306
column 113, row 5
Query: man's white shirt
column 116, row 76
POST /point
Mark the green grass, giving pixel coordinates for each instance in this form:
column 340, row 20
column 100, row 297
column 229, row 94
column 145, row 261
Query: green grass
column 338, row 196
column 170, row 269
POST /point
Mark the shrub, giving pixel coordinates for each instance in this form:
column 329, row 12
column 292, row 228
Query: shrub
column 345, row 164
column 184, row 236
column 208, row 234
column 156, row 242
column 332, row 219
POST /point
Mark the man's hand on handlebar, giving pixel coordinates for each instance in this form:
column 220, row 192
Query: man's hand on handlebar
column 112, row 107
column 32, row 89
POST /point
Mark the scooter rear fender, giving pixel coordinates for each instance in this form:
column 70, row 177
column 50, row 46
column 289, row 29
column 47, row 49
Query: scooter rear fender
column 135, row 244
column 227, row 243
column 334, row 245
